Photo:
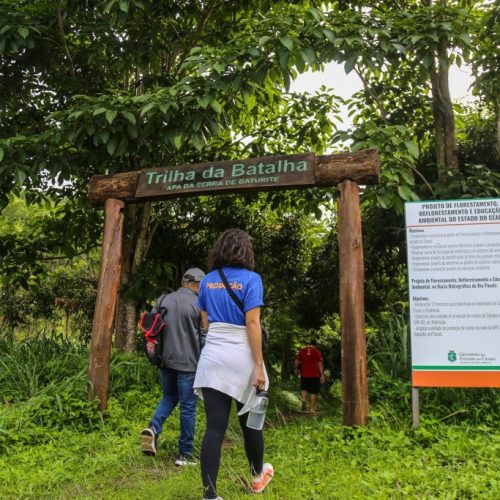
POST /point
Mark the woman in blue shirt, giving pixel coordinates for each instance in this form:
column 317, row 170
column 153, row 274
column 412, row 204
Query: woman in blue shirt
column 231, row 364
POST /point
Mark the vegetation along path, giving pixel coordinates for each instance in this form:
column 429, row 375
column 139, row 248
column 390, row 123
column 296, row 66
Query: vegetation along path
column 54, row 444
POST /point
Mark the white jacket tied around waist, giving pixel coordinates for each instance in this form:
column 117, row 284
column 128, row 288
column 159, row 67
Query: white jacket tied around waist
column 226, row 364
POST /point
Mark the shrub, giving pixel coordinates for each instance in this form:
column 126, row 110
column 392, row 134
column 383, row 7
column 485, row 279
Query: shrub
column 26, row 367
column 43, row 384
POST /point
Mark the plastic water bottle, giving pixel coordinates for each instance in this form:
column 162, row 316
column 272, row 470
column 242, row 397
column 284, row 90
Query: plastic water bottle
column 257, row 413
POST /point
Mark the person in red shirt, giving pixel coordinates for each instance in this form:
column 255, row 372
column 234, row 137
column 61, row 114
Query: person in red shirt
column 309, row 365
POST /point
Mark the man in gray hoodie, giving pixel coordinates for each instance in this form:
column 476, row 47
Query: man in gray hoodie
column 183, row 339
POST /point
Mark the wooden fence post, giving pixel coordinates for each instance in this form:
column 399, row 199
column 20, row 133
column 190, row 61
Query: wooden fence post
column 352, row 308
column 107, row 291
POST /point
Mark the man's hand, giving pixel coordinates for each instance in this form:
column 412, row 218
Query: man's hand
column 322, row 379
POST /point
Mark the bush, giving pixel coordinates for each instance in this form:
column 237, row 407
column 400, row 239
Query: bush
column 43, row 384
column 28, row 366
column 391, row 400
column 132, row 371
column 390, row 380
column 388, row 343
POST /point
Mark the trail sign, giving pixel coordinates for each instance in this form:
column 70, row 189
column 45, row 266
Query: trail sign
column 344, row 170
column 251, row 174
column 232, row 176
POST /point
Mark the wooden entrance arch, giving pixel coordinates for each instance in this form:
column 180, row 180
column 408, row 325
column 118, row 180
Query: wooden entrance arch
column 346, row 171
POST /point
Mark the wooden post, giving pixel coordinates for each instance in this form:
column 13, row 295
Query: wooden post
column 107, row 291
column 257, row 174
column 415, row 407
column 352, row 309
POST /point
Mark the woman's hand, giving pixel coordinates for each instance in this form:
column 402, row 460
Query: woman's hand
column 259, row 377
column 254, row 332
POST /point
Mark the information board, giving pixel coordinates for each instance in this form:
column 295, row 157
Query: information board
column 454, row 289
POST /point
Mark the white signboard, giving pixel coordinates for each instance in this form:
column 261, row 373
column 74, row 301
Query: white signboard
column 454, row 289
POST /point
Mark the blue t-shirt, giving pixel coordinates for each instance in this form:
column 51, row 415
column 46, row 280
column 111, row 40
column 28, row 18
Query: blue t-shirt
column 218, row 304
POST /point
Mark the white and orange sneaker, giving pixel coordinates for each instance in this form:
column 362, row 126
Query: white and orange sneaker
column 259, row 483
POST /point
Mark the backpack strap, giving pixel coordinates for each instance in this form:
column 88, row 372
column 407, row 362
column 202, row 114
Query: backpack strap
column 230, row 291
column 159, row 308
column 239, row 303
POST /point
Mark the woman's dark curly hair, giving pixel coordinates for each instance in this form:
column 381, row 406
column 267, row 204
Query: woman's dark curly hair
column 233, row 248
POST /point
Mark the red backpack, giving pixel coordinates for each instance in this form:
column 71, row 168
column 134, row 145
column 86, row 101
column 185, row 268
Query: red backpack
column 152, row 325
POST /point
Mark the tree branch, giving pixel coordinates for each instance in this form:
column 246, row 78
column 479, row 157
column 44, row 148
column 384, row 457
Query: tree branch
column 415, row 169
column 199, row 29
column 60, row 24
column 375, row 96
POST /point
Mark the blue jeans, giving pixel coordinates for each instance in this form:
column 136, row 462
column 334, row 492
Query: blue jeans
column 177, row 387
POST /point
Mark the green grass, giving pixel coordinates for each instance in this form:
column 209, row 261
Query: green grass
column 54, row 445
column 314, row 458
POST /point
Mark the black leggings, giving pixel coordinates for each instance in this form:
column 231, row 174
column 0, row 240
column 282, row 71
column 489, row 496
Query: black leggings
column 217, row 410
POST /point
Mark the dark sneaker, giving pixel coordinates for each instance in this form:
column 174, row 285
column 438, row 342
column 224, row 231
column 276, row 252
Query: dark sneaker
column 148, row 442
column 182, row 460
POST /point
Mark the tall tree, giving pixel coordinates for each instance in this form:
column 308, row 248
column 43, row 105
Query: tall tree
column 402, row 51
column 444, row 118
column 486, row 61
column 143, row 83
column 96, row 87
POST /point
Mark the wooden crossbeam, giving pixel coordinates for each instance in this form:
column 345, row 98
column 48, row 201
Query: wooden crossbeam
column 254, row 174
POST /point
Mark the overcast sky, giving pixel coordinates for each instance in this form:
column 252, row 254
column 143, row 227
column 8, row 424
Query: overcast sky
column 345, row 85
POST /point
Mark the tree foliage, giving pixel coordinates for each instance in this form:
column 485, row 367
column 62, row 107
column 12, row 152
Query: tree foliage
column 103, row 87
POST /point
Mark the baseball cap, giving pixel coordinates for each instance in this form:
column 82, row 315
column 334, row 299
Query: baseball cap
column 193, row 274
